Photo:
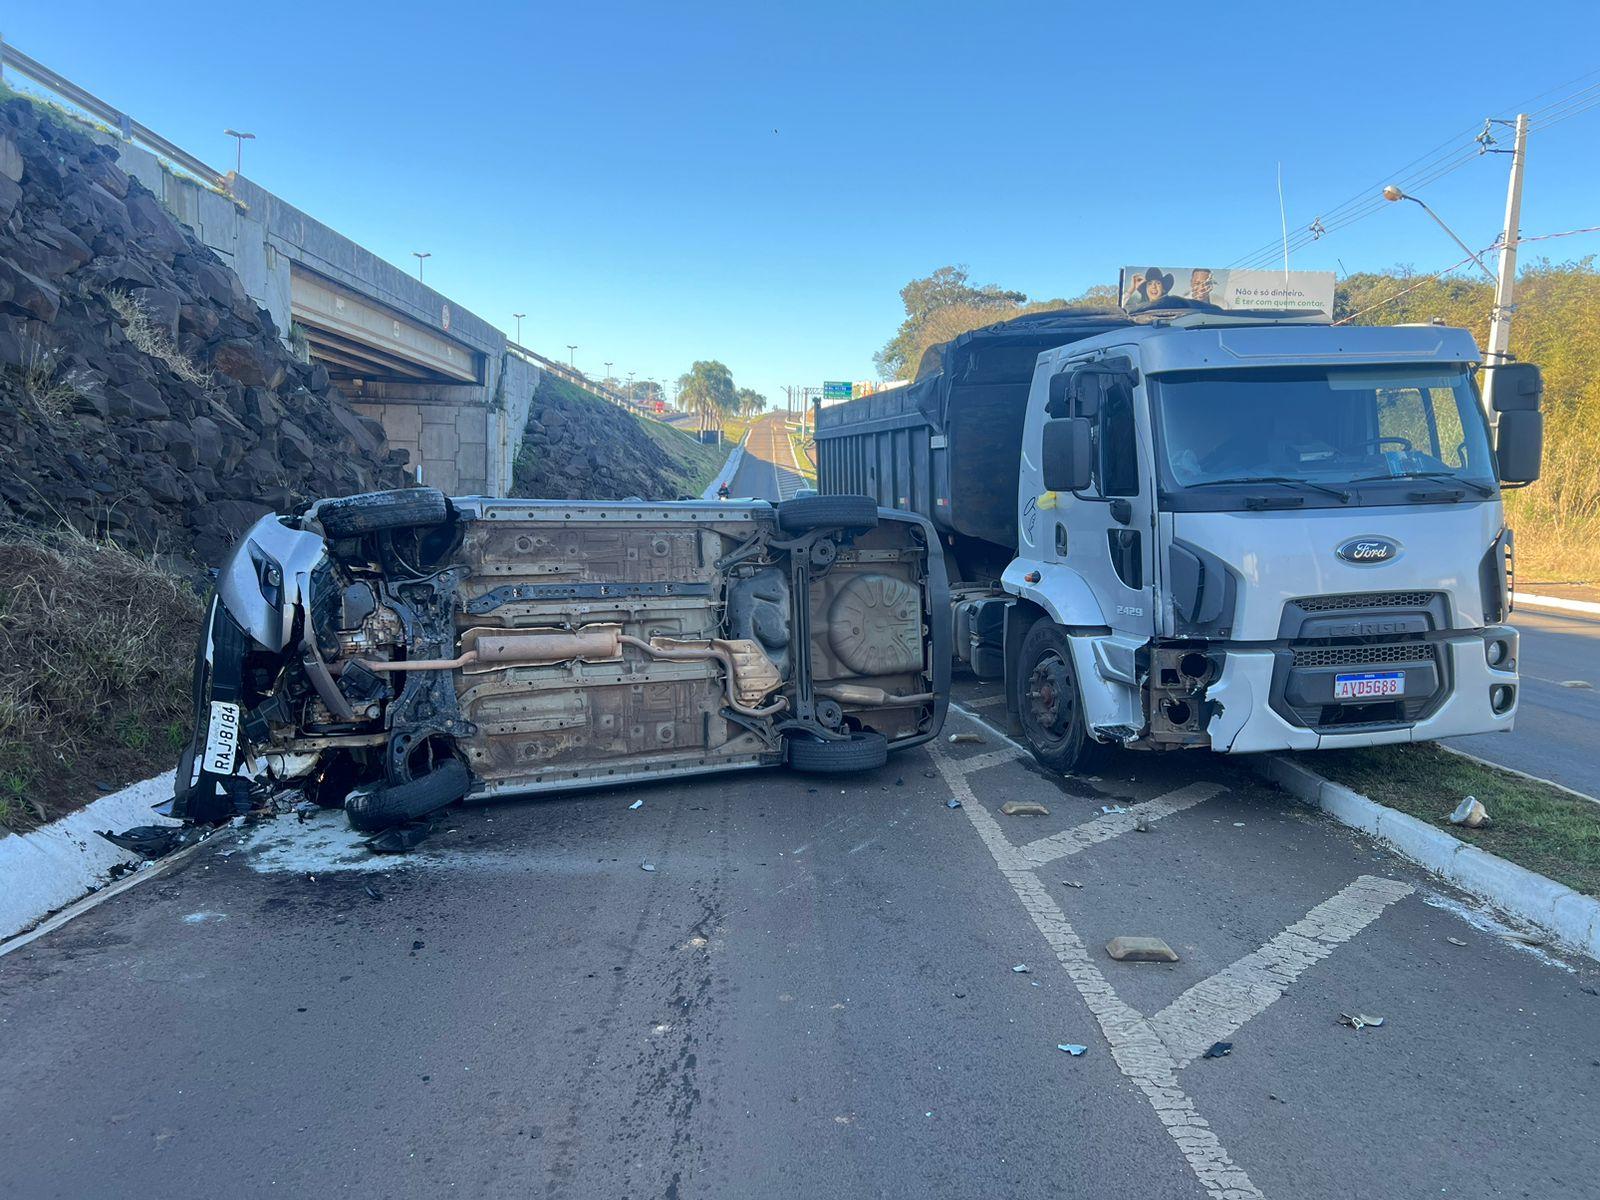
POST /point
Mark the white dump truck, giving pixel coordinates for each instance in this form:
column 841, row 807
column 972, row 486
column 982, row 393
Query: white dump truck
column 1188, row 527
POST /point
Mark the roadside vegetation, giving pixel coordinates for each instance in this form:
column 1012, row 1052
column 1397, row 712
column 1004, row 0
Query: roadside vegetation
column 1531, row 824
column 1557, row 325
column 97, row 651
column 698, row 463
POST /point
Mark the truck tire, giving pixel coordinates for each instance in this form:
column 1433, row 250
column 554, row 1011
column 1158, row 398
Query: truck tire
column 805, row 513
column 378, row 806
column 1050, row 702
column 351, row 516
column 863, row 751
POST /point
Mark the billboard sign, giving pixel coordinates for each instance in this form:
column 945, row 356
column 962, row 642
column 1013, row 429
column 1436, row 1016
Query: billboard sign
column 1233, row 291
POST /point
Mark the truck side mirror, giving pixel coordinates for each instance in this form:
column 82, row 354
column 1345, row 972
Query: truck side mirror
column 1067, row 460
column 1514, row 387
column 1518, row 445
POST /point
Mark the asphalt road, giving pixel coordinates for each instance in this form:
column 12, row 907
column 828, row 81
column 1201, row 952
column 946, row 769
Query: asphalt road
column 813, row 993
column 769, row 469
column 1558, row 723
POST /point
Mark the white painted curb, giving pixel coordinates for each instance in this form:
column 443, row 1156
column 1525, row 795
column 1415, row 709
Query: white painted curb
column 729, row 469
column 1534, row 600
column 1567, row 916
column 59, row 862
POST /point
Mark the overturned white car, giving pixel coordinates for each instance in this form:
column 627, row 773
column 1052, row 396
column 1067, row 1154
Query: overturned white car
column 398, row 651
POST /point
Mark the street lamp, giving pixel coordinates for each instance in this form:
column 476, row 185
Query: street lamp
column 239, row 139
column 519, row 317
column 420, row 255
column 1391, row 192
column 572, row 355
column 630, row 386
column 609, row 365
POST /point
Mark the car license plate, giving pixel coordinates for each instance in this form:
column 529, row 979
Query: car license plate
column 222, row 738
column 1369, row 684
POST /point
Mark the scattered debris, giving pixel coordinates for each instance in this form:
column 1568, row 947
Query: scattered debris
column 930, row 774
column 1071, row 883
column 400, row 838
column 1219, row 1050
column 373, row 892
column 1024, row 808
column 304, row 809
column 1359, row 1020
column 1072, row 1048
column 962, row 739
column 1455, row 941
column 153, row 841
column 104, row 787
column 1526, row 939
column 1576, row 683
column 647, row 866
column 952, row 803
column 1589, row 989
column 1141, row 826
column 636, row 804
column 1238, row 824
column 1140, row 949
column 1021, row 969
column 1112, row 808
column 1471, row 813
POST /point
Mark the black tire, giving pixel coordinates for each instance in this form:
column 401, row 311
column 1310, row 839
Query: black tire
column 351, row 516
column 378, row 806
column 862, row 752
column 806, row 513
column 1050, row 702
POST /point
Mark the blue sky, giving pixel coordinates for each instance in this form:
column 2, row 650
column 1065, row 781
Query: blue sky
column 755, row 183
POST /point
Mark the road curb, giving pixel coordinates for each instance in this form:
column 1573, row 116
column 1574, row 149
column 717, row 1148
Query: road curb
column 59, row 863
column 1539, row 779
column 1567, row 916
column 1561, row 603
column 729, row 469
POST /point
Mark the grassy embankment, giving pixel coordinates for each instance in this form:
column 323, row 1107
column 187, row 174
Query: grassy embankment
column 1533, row 825
column 699, row 463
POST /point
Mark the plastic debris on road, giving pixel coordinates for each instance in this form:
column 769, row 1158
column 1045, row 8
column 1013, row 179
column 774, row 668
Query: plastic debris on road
column 1471, row 813
column 636, row 804
column 961, row 739
column 153, row 841
column 1140, row 949
column 1359, row 1020
column 647, row 866
column 1071, row 883
column 1021, row 969
column 952, row 803
column 1455, row 941
column 1112, row 808
column 1024, row 808
column 1219, row 1050
column 399, row 839
column 1072, row 1048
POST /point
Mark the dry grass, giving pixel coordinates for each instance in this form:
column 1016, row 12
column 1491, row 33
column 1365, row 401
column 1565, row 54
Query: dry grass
column 154, row 340
column 96, row 656
column 43, row 384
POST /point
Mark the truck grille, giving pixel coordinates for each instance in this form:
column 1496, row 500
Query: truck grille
column 1347, row 656
column 1356, row 600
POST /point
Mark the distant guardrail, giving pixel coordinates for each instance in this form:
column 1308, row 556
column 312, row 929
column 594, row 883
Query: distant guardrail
column 578, row 379
column 18, row 63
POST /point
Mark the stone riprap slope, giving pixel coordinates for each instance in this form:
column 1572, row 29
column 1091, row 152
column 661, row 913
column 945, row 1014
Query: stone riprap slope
column 143, row 395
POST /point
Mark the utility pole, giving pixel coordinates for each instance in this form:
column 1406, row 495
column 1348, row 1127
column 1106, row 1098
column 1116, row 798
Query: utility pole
column 1499, row 349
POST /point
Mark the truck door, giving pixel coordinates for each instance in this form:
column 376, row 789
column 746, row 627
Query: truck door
column 1106, row 532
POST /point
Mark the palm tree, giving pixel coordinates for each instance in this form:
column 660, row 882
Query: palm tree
column 707, row 390
column 749, row 402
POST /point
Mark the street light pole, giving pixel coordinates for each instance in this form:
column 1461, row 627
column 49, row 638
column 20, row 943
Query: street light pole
column 1391, row 192
column 518, row 317
column 420, row 255
column 572, row 356
column 239, row 139
column 608, row 373
column 1505, row 285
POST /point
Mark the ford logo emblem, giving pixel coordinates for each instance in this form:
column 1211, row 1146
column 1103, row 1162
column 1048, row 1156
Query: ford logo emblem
column 1367, row 551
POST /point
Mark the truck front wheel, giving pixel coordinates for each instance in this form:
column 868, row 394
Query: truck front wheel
column 1050, row 703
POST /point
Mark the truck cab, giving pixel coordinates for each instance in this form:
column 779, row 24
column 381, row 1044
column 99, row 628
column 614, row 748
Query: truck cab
column 1260, row 535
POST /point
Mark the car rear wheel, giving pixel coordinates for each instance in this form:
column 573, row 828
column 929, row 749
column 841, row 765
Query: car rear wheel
column 1050, row 704
column 862, row 751
column 805, row 513
column 378, row 806
column 352, row 516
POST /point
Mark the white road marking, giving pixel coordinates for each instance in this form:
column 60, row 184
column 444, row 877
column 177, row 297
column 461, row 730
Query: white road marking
column 1135, row 1046
column 1216, row 1007
column 1110, row 825
column 986, row 701
column 989, row 758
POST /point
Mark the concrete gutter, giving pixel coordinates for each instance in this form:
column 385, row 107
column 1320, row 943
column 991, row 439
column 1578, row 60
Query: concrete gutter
column 59, row 863
column 1534, row 600
column 729, row 469
column 1568, row 917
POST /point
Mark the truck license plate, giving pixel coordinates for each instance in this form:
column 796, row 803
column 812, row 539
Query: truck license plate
column 222, row 738
column 1369, row 684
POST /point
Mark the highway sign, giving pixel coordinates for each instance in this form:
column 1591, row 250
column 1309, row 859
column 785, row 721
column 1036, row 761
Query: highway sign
column 836, row 391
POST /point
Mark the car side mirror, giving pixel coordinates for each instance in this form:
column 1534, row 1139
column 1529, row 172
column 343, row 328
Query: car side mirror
column 1518, row 445
column 1067, row 457
column 1514, row 387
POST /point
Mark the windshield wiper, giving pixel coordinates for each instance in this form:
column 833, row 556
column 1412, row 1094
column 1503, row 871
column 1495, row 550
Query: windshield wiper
column 1482, row 489
column 1342, row 496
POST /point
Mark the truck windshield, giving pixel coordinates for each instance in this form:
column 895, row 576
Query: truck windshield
column 1370, row 428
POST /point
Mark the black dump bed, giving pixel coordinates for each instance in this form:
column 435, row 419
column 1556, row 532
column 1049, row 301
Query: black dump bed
column 948, row 445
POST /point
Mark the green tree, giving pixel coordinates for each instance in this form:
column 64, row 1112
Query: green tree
column 749, row 402
column 947, row 293
column 707, row 390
